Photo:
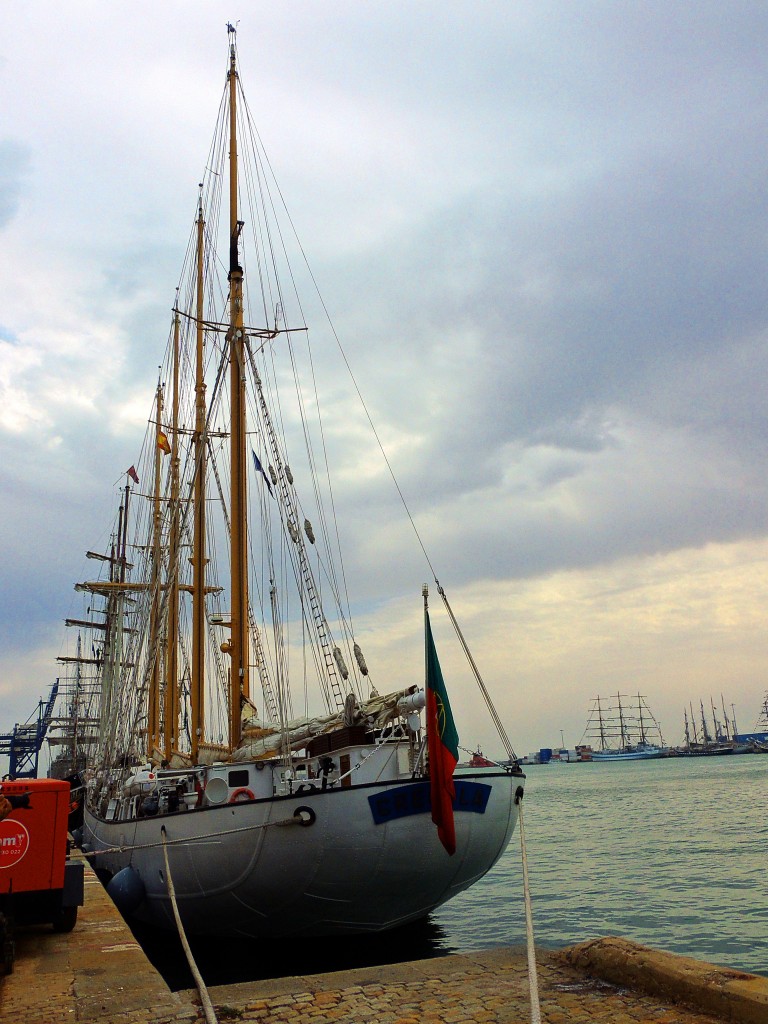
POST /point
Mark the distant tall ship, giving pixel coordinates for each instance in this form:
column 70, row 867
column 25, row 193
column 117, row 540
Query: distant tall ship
column 761, row 725
column 623, row 728
column 712, row 739
column 759, row 735
column 73, row 733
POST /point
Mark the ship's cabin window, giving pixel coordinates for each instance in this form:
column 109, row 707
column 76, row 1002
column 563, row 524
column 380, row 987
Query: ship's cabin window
column 238, row 778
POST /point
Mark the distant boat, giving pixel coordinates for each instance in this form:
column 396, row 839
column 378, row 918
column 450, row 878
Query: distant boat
column 761, row 725
column 623, row 731
column 73, row 736
column 638, row 752
column 719, row 741
column 759, row 735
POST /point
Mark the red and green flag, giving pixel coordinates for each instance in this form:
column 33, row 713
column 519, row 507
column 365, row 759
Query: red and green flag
column 443, row 747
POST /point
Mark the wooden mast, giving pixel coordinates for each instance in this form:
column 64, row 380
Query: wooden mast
column 171, row 704
column 153, row 722
column 238, row 645
column 197, row 702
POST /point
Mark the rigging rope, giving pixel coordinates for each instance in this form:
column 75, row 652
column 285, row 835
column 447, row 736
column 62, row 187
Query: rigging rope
column 486, row 697
column 497, row 721
column 205, row 999
column 533, row 981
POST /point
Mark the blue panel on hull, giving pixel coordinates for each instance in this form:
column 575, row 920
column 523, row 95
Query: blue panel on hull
column 415, row 799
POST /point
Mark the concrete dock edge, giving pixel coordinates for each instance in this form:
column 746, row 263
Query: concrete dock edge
column 726, row 994
column 99, row 974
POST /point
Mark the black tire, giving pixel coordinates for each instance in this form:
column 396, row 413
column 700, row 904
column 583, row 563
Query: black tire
column 65, row 919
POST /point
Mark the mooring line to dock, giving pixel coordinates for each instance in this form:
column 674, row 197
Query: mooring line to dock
column 533, row 981
column 302, row 820
column 205, row 999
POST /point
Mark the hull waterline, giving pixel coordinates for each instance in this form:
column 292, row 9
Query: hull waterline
column 635, row 755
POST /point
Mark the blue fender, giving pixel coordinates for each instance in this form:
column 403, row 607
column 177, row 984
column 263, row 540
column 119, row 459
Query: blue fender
column 126, row 890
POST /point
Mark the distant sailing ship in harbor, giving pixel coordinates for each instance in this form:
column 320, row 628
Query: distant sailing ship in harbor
column 759, row 735
column 623, row 731
column 724, row 737
column 73, row 735
column 718, row 740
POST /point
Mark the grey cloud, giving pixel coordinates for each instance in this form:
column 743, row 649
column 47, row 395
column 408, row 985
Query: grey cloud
column 566, row 308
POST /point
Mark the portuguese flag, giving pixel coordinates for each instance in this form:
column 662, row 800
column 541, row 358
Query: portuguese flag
column 443, row 746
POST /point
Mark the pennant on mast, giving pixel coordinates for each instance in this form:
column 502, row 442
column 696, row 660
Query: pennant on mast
column 260, row 469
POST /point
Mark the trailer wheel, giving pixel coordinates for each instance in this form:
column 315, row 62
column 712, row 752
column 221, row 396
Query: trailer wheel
column 64, row 920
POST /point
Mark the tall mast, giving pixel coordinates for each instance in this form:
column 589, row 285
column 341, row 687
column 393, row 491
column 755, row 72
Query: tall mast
column 602, row 727
column 624, row 738
column 238, row 646
column 153, row 723
column 171, row 710
column 113, row 633
column 640, row 712
column 704, row 729
column 198, row 550
column 715, row 723
column 693, row 724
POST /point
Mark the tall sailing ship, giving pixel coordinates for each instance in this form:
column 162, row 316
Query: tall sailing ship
column 73, row 734
column 623, row 729
column 247, row 766
column 722, row 738
column 760, row 731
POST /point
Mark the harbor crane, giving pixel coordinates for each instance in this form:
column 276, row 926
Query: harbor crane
column 22, row 745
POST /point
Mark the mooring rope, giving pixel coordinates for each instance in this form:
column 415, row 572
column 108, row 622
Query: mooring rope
column 533, row 981
column 191, row 839
column 205, row 999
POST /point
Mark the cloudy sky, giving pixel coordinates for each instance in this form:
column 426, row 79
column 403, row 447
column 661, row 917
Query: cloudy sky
column 541, row 231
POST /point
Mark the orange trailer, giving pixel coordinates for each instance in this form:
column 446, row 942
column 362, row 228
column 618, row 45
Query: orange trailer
column 39, row 883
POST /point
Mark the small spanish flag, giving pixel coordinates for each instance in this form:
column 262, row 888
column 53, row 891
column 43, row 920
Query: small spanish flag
column 163, row 443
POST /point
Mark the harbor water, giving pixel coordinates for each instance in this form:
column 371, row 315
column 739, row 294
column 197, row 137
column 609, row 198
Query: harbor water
column 671, row 853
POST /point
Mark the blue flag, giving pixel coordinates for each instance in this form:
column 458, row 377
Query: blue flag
column 260, row 469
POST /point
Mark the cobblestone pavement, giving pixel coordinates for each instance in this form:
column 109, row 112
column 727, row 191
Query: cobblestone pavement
column 490, row 987
column 99, row 973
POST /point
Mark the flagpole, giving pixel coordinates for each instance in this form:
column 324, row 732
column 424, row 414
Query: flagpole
column 425, row 595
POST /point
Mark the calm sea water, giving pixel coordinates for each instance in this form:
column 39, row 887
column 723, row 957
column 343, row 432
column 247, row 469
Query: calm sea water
column 672, row 853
